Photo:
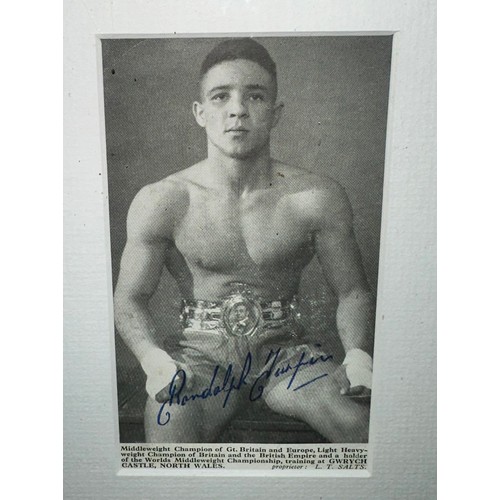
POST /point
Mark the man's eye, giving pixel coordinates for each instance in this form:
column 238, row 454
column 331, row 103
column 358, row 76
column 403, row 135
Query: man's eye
column 219, row 97
column 256, row 97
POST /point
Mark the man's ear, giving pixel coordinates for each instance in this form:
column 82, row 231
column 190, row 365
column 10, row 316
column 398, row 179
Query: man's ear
column 199, row 113
column 278, row 111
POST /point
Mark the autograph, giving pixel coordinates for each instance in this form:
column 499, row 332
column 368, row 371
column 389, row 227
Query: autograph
column 232, row 382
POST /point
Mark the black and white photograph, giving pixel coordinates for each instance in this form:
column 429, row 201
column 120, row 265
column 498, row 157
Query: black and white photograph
column 250, row 243
column 245, row 180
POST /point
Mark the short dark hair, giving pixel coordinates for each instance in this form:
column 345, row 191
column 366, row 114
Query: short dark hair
column 239, row 48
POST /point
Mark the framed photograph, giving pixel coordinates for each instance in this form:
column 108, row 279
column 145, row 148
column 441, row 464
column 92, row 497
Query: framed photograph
column 271, row 301
column 252, row 307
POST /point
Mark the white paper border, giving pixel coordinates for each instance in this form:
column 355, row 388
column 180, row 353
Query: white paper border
column 402, row 433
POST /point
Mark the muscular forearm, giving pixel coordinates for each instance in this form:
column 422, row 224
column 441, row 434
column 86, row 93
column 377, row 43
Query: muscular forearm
column 355, row 320
column 135, row 325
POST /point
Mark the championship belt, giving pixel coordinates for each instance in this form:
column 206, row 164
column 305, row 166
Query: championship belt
column 241, row 314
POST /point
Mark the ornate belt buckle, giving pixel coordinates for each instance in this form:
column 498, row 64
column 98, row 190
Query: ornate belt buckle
column 241, row 315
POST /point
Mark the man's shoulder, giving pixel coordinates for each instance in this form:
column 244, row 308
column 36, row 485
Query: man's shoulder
column 170, row 190
column 186, row 178
column 158, row 206
column 309, row 183
column 316, row 196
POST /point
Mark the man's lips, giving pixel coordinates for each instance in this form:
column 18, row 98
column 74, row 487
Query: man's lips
column 236, row 129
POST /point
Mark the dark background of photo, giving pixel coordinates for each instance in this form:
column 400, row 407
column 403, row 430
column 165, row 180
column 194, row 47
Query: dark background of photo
column 335, row 92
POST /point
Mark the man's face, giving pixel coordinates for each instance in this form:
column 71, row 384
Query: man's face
column 238, row 108
column 241, row 313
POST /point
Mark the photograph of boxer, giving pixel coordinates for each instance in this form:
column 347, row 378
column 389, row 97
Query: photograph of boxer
column 234, row 233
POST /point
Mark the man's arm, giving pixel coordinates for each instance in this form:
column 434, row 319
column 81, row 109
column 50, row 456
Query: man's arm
column 340, row 259
column 147, row 247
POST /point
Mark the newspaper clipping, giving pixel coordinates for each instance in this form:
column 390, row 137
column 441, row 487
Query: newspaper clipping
column 245, row 180
column 263, row 457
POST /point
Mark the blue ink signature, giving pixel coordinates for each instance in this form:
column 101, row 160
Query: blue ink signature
column 233, row 382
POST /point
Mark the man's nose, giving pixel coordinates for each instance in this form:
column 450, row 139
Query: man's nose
column 237, row 108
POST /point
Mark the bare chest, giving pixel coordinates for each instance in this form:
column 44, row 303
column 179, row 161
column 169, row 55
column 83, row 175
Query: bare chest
column 224, row 235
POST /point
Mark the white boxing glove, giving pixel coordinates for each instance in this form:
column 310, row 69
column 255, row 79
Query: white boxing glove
column 359, row 368
column 160, row 369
